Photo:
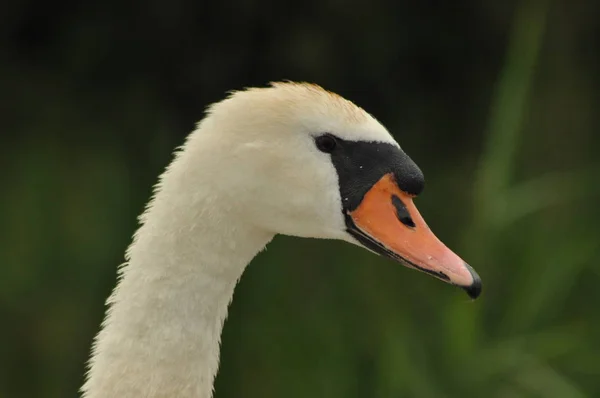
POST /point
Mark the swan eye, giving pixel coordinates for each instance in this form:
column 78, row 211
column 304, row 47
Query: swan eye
column 326, row 143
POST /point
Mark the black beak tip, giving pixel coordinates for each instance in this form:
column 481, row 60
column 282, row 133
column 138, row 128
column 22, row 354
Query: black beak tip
column 473, row 290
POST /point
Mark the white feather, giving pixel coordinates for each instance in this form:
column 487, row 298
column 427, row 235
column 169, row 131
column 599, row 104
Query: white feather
column 249, row 171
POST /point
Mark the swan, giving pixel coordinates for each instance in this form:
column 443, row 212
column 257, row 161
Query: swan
column 289, row 158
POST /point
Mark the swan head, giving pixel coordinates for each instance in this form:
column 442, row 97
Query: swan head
column 298, row 160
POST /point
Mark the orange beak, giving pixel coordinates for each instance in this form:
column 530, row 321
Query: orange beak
column 387, row 221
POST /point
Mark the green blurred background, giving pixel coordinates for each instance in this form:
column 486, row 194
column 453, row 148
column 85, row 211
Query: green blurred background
column 496, row 101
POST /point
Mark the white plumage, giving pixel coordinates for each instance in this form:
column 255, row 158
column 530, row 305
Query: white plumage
column 249, row 171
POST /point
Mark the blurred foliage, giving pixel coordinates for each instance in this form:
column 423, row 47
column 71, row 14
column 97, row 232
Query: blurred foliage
column 496, row 101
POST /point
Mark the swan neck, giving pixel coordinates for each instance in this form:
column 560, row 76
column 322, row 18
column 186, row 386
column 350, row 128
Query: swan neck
column 162, row 331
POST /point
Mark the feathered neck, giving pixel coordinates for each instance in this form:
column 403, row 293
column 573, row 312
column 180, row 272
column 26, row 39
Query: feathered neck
column 162, row 330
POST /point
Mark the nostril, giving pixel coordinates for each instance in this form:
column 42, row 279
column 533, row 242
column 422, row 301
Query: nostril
column 402, row 213
column 407, row 221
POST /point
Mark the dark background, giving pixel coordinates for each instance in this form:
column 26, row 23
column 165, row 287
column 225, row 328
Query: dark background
column 496, row 101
